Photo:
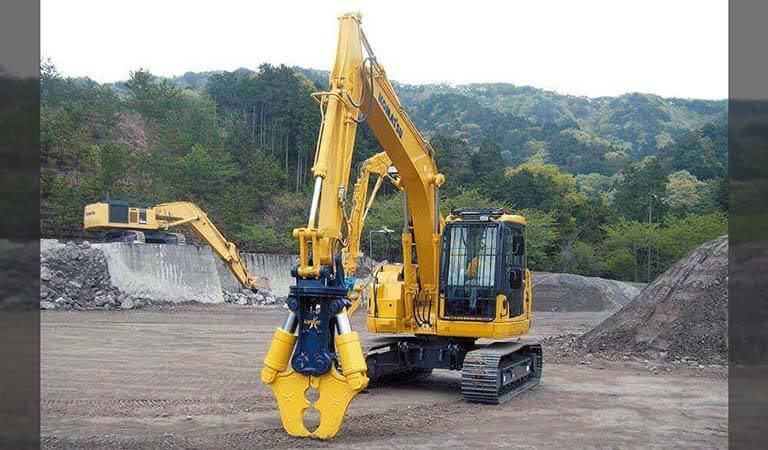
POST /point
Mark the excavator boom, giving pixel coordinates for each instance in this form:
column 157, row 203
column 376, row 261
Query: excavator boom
column 378, row 165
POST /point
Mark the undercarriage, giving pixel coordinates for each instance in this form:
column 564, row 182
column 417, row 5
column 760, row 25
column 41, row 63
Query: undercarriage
column 491, row 373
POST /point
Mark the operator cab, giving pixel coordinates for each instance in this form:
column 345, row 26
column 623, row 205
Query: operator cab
column 483, row 256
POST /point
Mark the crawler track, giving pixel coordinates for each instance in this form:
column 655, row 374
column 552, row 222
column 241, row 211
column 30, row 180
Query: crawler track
column 500, row 371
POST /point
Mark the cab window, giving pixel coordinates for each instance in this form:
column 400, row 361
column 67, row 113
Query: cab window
column 472, row 257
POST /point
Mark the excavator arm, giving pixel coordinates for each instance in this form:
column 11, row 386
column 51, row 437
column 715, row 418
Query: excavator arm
column 164, row 216
column 170, row 215
column 316, row 340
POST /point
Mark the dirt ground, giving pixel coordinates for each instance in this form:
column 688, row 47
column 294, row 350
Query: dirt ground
column 189, row 378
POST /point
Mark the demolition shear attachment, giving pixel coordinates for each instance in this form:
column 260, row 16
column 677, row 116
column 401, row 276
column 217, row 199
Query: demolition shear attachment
column 324, row 355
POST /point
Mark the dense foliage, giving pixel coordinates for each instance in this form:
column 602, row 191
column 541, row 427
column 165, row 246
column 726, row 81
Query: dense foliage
column 617, row 187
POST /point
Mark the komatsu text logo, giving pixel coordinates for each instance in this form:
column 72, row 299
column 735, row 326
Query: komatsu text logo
column 392, row 119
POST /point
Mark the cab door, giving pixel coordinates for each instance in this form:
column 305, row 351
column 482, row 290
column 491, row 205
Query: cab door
column 513, row 285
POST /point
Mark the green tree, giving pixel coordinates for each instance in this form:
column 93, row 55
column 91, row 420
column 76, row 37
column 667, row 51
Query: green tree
column 200, row 175
column 714, row 195
column 262, row 239
column 640, row 185
column 152, row 97
column 536, row 185
column 580, row 221
column 683, row 192
column 669, row 241
column 594, row 185
column 578, row 151
column 630, row 238
column 468, row 198
column 453, row 159
column 702, row 152
column 541, row 235
column 621, row 264
column 681, row 235
column 583, row 259
column 113, row 163
column 488, row 171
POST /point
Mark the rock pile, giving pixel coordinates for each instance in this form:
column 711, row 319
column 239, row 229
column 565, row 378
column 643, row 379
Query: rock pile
column 247, row 297
column 567, row 292
column 683, row 314
column 74, row 276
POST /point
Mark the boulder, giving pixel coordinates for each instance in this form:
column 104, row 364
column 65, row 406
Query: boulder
column 47, row 305
column 126, row 303
column 77, row 277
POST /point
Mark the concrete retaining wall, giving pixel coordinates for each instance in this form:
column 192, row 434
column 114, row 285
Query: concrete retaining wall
column 174, row 273
column 277, row 268
column 180, row 273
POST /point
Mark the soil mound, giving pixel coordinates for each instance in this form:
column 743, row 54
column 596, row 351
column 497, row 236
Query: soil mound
column 683, row 313
column 567, row 292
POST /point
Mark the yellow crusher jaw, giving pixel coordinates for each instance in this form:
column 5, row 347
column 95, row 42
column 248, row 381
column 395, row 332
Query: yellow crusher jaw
column 336, row 390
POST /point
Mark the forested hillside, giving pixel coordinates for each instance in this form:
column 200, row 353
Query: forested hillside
column 585, row 171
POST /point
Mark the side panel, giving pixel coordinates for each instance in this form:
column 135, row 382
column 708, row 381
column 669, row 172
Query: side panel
column 493, row 330
column 386, row 302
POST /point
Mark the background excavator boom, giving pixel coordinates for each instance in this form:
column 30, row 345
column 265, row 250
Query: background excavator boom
column 379, row 166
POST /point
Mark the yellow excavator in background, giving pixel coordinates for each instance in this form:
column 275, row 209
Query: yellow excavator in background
column 381, row 166
column 150, row 224
column 462, row 278
column 378, row 165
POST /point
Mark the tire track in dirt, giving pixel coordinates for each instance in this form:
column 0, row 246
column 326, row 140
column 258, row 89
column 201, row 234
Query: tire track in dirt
column 153, row 407
column 357, row 431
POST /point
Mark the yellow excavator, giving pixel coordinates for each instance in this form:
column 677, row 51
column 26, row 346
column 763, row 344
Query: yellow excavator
column 378, row 165
column 463, row 278
column 122, row 222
